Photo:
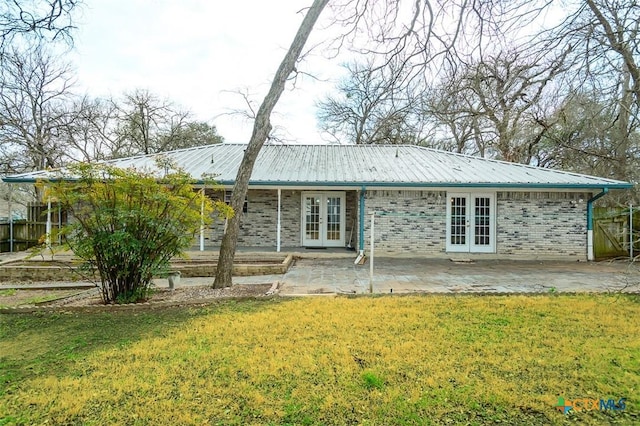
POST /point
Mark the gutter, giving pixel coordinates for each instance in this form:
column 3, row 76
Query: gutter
column 416, row 185
column 377, row 184
column 590, row 254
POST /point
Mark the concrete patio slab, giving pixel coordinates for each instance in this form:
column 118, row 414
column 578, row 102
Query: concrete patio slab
column 333, row 272
column 413, row 275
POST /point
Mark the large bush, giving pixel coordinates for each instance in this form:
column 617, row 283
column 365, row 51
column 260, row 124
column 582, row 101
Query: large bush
column 128, row 224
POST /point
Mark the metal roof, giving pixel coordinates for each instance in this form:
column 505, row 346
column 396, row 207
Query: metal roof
column 357, row 165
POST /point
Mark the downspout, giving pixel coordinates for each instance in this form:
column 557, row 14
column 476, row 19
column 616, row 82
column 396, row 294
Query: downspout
column 278, row 222
column 590, row 254
column 361, row 239
column 202, row 219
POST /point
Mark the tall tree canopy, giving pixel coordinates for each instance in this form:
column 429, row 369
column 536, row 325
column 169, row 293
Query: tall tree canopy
column 40, row 19
column 35, row 89
column 44, row 123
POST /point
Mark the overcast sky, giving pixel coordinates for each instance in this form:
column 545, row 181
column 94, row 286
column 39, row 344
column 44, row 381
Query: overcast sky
column 194, row 52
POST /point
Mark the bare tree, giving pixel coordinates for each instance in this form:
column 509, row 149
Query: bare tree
column 148, row 124
column 261, row 129
column 35, row 89
column 492, row 107
column 90, row 134
column 603, row 35
column 45, row 19
column 370, row 107
column 583, row 136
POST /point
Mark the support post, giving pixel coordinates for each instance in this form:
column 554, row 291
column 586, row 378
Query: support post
column 590, row 254
column 373, row 215
column 48, row 229
column 202, row 219
column 10, row 218
column 59, row 223
column 278, row 224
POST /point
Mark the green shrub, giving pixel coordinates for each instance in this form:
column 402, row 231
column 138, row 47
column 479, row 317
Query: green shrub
column 128, row 224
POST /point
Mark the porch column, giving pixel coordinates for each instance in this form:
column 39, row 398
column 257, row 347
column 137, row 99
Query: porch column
column 278, row 222
column 202, row 219
column 361, row 239
column 373, row 217
column 48, row 231
column 10, row 218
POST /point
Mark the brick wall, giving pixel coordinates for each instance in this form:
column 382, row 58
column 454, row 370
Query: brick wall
column 528, row 224
column 542, row 224
column 415, row 221
column 258, row 225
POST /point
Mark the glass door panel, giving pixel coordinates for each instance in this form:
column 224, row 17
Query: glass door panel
column 323, row 218
column 458, row 222
column 470, row 223
column 312, row 219
column 334, row 222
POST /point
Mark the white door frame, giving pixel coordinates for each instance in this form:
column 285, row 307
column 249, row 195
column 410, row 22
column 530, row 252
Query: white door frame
column 475, row 237
column 326, row 236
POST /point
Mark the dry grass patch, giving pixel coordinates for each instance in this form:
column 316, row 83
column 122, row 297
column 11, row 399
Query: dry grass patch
column 381, row 360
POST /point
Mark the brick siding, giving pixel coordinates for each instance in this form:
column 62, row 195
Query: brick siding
column 542, row 224
column 410, row 221
column 528, row 224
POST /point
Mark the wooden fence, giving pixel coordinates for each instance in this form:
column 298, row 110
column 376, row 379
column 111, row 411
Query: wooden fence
column 27, row 233
column 615, row 233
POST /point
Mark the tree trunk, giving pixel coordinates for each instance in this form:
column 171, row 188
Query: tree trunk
column 621, row 141
column 261, row 129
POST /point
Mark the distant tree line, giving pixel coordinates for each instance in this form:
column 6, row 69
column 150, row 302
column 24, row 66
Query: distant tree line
column 45, row 123
column 564, row 92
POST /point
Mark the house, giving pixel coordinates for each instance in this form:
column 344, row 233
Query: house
column 424, row 202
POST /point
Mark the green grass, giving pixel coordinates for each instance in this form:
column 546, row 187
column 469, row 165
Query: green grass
column 367, row 360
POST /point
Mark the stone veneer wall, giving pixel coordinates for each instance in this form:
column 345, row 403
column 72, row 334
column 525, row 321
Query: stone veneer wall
column 542, row 224
column 417, row 223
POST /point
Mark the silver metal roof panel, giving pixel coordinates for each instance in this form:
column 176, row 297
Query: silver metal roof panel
column 357, row 165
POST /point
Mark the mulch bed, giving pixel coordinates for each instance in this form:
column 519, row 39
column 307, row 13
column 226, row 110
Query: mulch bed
column 91, row 299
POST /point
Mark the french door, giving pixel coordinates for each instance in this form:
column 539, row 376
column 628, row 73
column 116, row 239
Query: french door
column 323, row 217
column 471, row 223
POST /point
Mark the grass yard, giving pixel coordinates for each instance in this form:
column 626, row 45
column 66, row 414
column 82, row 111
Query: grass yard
column 365, row 360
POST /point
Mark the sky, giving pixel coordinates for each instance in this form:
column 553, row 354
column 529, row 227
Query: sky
column 196, row 53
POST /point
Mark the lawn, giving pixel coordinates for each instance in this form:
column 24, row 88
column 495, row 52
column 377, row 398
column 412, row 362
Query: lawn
column 364, row 360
